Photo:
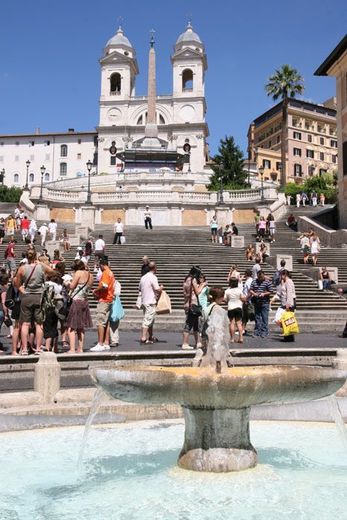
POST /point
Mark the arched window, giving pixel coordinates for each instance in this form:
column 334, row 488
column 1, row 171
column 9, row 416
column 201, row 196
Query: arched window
column 63, row 169
column 143, row 119
column 187, row 79
column 115, row 83
column 46, row 177
column 140, row 120
column 63, row 150
column 16, row 178
column 31, row 177
column 161, row 120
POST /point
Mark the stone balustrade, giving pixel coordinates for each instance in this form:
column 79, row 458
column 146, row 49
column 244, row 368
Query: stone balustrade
column 78, row 195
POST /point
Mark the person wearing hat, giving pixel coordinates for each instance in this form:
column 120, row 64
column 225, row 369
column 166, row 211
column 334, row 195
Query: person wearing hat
column 148, row 218
column 43, row 232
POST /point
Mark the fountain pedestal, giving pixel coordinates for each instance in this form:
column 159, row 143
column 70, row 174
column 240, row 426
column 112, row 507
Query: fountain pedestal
column 217, row 440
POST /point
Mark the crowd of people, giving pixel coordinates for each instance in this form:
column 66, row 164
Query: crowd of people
column 303, row 199
column 248, row 297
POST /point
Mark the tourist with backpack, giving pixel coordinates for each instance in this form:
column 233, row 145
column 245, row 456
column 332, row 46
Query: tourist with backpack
column 10, row 257
column 52, row 304
column 29, row 280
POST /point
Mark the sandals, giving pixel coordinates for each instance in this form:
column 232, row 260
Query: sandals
column 153, row 340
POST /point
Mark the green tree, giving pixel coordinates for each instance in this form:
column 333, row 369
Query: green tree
column 286, row 83
column 11, row 194
column 228, row 166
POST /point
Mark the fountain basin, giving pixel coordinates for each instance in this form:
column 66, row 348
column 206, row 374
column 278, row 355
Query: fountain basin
column 216, row 407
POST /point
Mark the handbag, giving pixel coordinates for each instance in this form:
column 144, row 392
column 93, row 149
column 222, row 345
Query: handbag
column 195, row 309
column 117, row 311
column 138, row 303
column 10, row 297
column 289, row 323
column 164, row 304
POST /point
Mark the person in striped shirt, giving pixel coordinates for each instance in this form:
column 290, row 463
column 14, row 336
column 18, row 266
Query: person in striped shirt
column 261, row 291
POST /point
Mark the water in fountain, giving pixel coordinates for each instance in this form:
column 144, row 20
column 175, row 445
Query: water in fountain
column 98, row 397
column 338, row 418
column 217, row 352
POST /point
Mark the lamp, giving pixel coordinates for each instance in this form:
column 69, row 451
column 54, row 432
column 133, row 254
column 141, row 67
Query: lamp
column 89, row 168
column 26, row 187
column 261, row 173
column 43, row 169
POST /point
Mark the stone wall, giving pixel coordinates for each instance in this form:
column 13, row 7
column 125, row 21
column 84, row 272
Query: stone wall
column 63, row 214
column 194, row 217
column 243, row 216
column 109, row 216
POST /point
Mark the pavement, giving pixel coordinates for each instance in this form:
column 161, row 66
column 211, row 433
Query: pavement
column 172, row 341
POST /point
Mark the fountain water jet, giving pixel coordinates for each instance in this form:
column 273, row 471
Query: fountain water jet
column 216, row 400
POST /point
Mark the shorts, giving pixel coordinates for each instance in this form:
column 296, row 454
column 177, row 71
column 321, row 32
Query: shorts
column 192, row 322
column 235, row 314
column 149, row 315
column 214, row 232
column 30, row 309
column 99, row 255
column 103, row 310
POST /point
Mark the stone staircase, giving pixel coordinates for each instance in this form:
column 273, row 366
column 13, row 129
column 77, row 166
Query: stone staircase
column 176, row 249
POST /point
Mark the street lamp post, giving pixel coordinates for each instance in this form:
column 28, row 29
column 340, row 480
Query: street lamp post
column 43, row 169
column 26, row 187
column 89, row 195
column 2, row 176
column 221, row 197
column 261, row 173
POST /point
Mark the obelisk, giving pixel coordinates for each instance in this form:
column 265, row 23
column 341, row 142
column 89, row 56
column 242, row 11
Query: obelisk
column 151, row 129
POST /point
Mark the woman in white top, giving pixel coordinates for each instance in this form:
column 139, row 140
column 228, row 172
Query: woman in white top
column 234, row 299
column 315, row 247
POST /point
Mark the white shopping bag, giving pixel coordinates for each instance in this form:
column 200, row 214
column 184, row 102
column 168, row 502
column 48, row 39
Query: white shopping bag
column 122, row 240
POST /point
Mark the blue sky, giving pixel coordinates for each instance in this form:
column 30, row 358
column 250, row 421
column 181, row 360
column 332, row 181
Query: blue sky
column 50, row 74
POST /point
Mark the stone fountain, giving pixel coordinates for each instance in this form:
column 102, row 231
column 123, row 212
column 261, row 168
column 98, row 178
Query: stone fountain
column 216, row 399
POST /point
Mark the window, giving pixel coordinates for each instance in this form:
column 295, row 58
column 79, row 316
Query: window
column 334, row 159
column 266, row 164
column 79, row 141
column 187, row 79
column 321, row 141
column 310, row 154
column 278, row 139
column 113, row 160
column 115, row 83
column 297, row 135
column 321, row 156
column 140, row 121
column 63, row 150
column 79, row 156
column 333, row 143
column 322, row 171
column 278, row 166
column 297, row 151
column 297, row 170
column 16, row 178
column 161, row 120
column 46, row 177
column 270, row 143
column 309, row 138
column 31, row 177
column 296, row 122
column 311, row 170
column 63, row 169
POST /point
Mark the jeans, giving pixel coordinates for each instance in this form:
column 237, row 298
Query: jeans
column 261, row 319
column 326, row 285
column 148, row 223
column 116, row 239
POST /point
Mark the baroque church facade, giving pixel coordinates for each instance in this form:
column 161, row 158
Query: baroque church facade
column 179, row 119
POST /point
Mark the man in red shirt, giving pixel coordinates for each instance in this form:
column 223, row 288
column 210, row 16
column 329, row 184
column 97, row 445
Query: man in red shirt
column 104, row 293
column 10, row 257
column 24, row 225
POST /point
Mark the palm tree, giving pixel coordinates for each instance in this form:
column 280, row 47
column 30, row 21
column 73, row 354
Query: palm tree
column 284, row 84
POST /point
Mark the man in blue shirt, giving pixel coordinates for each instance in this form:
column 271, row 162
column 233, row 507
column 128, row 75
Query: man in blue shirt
column 261, row 290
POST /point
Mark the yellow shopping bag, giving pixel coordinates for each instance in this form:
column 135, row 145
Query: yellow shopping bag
column 289, row 323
